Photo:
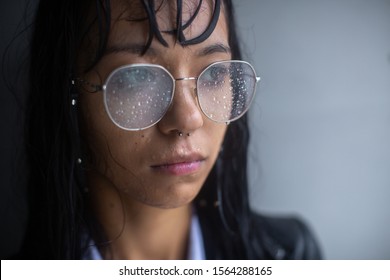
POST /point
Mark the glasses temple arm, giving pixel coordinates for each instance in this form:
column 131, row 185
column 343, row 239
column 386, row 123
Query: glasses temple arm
column 95, row 88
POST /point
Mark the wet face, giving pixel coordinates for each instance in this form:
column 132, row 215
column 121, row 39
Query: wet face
column 156, row 166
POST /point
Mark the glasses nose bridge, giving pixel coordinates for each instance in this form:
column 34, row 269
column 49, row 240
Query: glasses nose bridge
column 184, row 79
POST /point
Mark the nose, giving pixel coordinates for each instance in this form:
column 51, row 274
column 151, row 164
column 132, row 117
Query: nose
column 184, row 114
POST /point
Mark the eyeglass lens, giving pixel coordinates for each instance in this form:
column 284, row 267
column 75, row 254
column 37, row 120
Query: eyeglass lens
column 137, row 96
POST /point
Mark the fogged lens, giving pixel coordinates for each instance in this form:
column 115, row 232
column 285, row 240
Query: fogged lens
column 137, row 96
column 226, row 90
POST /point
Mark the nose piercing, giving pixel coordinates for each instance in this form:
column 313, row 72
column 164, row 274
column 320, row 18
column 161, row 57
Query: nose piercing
column 180, row 133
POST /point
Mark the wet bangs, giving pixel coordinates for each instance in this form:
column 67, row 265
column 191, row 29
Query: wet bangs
column 98, row 23
column 147, row 10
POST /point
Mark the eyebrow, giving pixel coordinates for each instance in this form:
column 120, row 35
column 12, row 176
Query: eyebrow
column 127, row 48
column 139, row 48
column 214, row 48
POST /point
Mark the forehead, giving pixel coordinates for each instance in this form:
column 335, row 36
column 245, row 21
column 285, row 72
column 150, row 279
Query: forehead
column 132, row 19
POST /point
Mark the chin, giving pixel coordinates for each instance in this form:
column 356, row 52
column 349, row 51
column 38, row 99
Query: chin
column 175, row 197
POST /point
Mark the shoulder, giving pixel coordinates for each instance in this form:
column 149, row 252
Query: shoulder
column 285, row 237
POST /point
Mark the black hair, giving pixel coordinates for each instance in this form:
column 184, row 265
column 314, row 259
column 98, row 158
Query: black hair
column 58, row 207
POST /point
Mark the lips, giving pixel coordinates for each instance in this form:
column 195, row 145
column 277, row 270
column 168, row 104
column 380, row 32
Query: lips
column 180, row 165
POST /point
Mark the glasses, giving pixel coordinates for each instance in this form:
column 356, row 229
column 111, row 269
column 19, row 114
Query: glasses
column 137, row 96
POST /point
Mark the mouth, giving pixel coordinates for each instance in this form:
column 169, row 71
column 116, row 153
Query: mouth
column 180, row 166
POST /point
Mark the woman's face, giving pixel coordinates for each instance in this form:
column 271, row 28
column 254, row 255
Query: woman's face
column 156, row 166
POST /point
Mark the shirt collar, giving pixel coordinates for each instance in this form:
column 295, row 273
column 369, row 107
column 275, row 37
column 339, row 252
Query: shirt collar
column 195, row 249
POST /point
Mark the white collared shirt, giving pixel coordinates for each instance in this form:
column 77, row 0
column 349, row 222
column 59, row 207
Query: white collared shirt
column 195, row 249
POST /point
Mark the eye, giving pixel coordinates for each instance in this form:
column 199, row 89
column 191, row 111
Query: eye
column 133, row 77
column 140, row 75
column 215, row 75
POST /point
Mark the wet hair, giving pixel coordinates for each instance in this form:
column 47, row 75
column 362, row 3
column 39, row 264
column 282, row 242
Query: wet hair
column 59, row 216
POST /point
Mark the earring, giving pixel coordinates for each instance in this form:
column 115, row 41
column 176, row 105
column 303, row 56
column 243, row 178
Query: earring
column 79, row 163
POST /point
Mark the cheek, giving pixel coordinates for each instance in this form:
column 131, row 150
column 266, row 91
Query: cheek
column 215, row 135
column 106, row 144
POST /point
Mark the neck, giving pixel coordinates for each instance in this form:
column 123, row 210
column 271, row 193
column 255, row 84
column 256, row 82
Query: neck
column 138, row 231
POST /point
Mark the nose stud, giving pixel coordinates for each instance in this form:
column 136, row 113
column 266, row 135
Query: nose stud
column 180, row 133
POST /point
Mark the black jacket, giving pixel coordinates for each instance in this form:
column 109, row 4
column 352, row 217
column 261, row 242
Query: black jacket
column 272, row 238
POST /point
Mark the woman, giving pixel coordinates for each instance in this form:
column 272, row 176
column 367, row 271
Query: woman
column 137, row 136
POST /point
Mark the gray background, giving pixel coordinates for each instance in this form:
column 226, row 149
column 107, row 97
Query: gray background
column 321, row 121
